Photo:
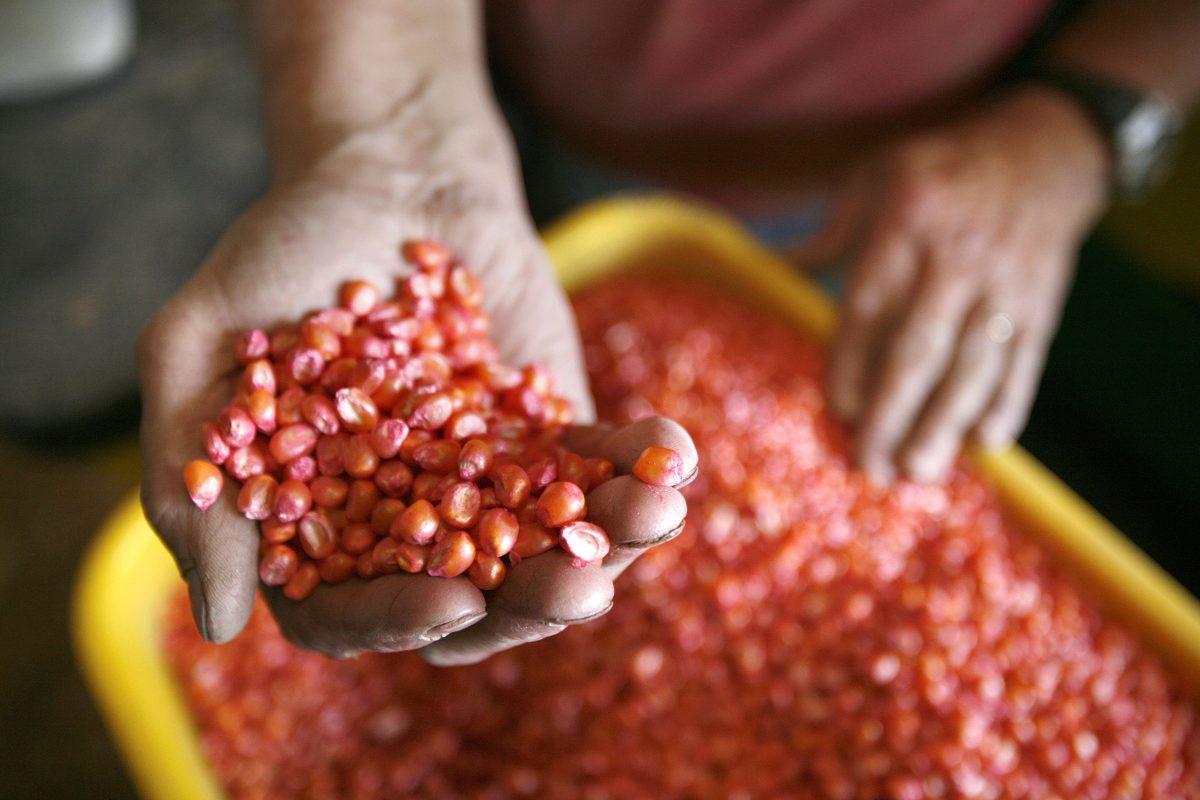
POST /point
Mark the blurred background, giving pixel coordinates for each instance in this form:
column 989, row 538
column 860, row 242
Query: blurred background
column 132, row 139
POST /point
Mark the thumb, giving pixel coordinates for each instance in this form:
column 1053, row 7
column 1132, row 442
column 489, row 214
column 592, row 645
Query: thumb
column 216, row 550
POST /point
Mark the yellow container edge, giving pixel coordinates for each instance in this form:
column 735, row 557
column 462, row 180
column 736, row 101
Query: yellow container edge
column 126, row 576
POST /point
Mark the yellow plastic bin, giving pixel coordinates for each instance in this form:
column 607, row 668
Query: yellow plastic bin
column 127, row 578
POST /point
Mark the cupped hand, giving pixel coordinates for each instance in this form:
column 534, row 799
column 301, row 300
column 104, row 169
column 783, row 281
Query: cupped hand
column 966, row 239
column 344, row 218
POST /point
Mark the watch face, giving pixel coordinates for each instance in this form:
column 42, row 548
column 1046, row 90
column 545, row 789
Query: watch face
column 1144, row 142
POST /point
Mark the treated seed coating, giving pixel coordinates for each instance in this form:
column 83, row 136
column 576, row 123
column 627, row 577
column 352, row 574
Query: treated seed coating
column 357, row 538
column 316, row 535
column 319, row 411
column 292, row 441
column 459, row 505
column 474, row 460
column 394, row 478
column 412, row 557
column 451, row 556
column 533, row 539
column 303, row 583
column 440, row 456
column 359, row 297
column 426, row 254
column 275, row 531
column 511, row 484
column 383, row 557
column 236, row 426
column 256, row 500
column 416, row 524
column 431, row 412
column 251, row 345
column 303, row 469
column 329, row 492
column 356, row 410
column 215, row 446
column 292, row 501
column 560, row 503
column 384, row 513
column 358, row 457
column 361, row 500
column 487, row 572
column 659, row 466
column 753, row 656
column 258, row 376
column 542, row 472
column 203, row 481
column 394, row 418
column 336, row 568
column 260, row 405
column 387, row 437
column 587, row 542
column 496, row 532
column 278, row 565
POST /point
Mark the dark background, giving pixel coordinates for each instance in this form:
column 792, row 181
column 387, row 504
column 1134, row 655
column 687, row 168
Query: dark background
column 110, row 196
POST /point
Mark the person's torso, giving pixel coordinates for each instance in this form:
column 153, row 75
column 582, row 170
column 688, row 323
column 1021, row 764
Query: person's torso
column 662, row 79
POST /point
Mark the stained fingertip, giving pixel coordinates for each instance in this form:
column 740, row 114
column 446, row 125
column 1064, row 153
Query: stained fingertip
column 625, row 445
column 500, row 631
column 636, row 514
column 390, row 613
column 444, row 629
column 550, row 588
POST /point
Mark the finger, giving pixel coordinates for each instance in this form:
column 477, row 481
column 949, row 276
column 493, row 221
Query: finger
column 1002, row 422
column 387, row 614
column 969, row 384
column 540, row 597
column 912, row 363
column 636, row 516
column 216, row 550
column 622, row 446
column 880, row 279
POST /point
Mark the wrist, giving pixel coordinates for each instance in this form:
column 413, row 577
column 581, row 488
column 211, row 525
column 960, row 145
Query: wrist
column 1064, row 143
column 373, row 75
column 431, row 126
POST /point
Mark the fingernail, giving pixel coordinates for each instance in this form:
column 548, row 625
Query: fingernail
column 453, row 626
column 199, row 606
column 650, row 541
column 587, row 618
column 691, row 477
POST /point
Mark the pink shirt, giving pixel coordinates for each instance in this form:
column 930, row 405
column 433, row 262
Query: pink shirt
column 645, row 71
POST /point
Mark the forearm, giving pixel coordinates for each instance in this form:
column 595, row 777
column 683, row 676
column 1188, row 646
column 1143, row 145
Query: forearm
column 399, row 72
column 1151, row 44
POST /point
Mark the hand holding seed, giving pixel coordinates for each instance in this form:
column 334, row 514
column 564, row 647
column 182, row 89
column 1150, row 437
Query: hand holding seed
column 331, row 513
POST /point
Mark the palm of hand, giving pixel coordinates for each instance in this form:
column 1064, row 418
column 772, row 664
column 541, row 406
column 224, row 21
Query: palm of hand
column 287, row 256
